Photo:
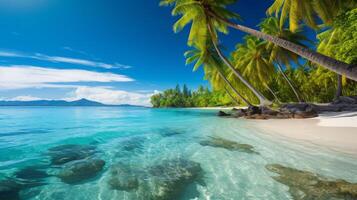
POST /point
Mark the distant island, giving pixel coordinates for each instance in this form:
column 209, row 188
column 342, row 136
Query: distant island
column 80, row 102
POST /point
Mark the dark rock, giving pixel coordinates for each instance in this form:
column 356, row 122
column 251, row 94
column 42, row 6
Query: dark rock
column 303, row 115
column 77, row 171
column 304, row 185
column 269, row 112
column 299, row 111
column 329, row 108
column 309, row 112
column 284, row 115
column 222, row 114
column 70, row 152
column 258, row 116
column 345, row 100
column 253, row 110
column 9, row 190
column 227, row 144
column 238, row 113
column 168, row 180
column 31, row 173
column 123, row 178
column 292, row 108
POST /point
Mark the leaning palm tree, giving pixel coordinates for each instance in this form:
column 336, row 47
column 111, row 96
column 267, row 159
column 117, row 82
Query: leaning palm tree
column 203, row 27
column 278, row 55
column 231, row 96
column 252, row 58
column 213, row 68
column 198, row 11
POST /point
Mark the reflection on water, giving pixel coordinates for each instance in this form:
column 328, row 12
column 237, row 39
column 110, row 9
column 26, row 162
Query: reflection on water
column 140, row 153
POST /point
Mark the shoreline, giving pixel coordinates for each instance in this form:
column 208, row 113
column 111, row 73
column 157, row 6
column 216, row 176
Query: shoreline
column 337, row 131
column 216, row 108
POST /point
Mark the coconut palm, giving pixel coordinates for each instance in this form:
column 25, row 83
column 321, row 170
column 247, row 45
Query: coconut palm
column 203, row 27
column 213, row 68
column 252, row 58
column 200, row 11
column 279, row 55
column 231, row 96
column 308, row 11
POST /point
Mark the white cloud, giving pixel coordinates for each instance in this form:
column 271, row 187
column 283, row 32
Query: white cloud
column 60, row 59
column 105, row 95
column 19, row 76
column 24, row 98
column 111, row 96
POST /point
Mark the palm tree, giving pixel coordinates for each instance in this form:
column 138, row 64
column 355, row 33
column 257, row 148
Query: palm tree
column 203, row 27
column 309, row 11
column 328, row 40
column 262, row 99
column 212, row 67
column 231, row 96
column 198, row 11
column 252, row 59
column 278, row 55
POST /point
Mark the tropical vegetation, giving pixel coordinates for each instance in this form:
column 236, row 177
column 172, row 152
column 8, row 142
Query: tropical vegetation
column 277, row 63
column 202, row 97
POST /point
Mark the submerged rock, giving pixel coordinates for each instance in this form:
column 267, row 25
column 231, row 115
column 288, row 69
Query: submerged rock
column 123, row 178
column 65, row 153
column 304, row 185
column 31, row 173
column 126, row 148
column 77, row 171
column 10, row 188
column 131, row 144
column 227, row 144
column 168, row 180
column 168, row 132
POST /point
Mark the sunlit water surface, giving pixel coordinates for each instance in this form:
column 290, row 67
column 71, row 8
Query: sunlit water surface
column 26, row 134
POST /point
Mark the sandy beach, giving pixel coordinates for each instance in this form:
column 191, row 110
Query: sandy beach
column 337, row 131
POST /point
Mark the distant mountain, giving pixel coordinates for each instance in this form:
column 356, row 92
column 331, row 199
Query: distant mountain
column 81, row 102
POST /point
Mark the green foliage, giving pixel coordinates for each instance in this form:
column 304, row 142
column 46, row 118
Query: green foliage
column 202, row 97
column 340, row 41
column 271, row 69
column 310, row 12
column 313, row 84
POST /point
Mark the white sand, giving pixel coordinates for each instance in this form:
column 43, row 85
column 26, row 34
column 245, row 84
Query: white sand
column 337, row 131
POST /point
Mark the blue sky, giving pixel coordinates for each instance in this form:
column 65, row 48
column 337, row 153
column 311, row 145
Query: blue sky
column 113, row 51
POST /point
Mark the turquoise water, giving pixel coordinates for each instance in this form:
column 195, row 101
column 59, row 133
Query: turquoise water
column 140, row 139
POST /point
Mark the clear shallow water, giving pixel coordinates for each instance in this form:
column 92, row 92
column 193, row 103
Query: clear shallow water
column 155, row 136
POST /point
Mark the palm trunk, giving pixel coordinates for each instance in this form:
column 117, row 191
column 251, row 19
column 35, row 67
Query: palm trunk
column 234, row 90
column 289, row 82
column 273, row 93
column 231, row 96
column 262, row 100
column 339, row 67
column 339, row 87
